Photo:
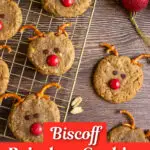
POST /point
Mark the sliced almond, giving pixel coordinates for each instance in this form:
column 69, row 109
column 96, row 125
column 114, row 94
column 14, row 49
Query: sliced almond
column 76, row 110
column 76, row 102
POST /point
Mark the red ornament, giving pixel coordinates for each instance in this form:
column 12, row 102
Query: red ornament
column 135, row 5
column 36, row 129
column 1, row 25
column 52, row 60
column 114, row 84
column 67, row 3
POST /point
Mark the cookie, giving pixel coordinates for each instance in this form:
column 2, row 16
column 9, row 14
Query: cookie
column 128, row 132
column 66, row 8
column 51, row 53
column 117, row 79
column 10, row 19
column 28, row 115
column 4, row 72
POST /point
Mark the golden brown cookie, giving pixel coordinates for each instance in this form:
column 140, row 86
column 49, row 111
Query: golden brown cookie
column 4, row 76
column 10, row 19
column 28, row 115
column 4, row 72
column 127, row 132
column 117, row 79
column 52, row 53
column 66, row 8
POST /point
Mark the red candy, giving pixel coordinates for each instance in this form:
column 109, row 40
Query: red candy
column 52, row 60
column 1, row 25
column 114, row 84
column 36, row 129
column 135, row 5
column 67, row 3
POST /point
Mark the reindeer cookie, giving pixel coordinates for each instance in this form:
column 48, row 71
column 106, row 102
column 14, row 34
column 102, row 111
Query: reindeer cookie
column 28, row 114
column 4, row 72
column 117, row 79
column 10, row 19
column 128, row 132
column 51, row 53
column 66, row 8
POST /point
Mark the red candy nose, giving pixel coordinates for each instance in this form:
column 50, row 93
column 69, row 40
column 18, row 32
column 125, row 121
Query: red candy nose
column 1, row 25
column 114, row 84
column 36, row 129
column 52, row 60
column 67, row 3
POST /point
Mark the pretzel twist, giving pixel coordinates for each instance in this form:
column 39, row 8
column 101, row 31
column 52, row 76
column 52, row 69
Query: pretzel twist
column 147, row 135
column 41, row 94
column 36, row 31
column 9, row 49
column 135, row 60
column 13, row 95
column 132, row 125
column 111, row 48
column 61, row 29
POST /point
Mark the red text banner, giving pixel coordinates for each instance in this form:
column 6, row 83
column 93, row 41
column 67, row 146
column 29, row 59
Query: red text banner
column 75, row 136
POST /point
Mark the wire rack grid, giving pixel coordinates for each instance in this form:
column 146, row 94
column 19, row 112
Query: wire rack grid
column 24, row 79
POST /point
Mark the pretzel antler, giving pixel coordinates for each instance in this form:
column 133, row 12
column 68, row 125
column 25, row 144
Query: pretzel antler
column 135, row 60
column 111, row 48
column 36, row 31
column 61, row 29
column 147, row 135
column 8, row 95
column 41, row 94
column 6, row 47
column 132, row 125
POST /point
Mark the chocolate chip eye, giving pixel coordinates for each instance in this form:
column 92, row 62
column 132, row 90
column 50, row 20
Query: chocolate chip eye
column 123, row 76
column 2, row 16
column 27, row 117
column 36, row 115
column 46, row 51
column 115, row 72
column 56, row 50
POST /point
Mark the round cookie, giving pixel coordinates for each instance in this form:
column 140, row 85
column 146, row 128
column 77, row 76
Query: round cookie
column 65, row 9
column 50, row 45
column 51, row 53
column 128, row 132
column 4, row 76
column 10, row 19
column 31, row 111
column 28, row 115
column 117, row 79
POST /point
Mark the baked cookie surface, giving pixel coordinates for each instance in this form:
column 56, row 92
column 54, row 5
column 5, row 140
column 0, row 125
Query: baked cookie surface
column 58, row 8
column 125, row 134
column 32, row 110
column 45, row 49
column 4, row 76
column 130, row 77
column 117, row 79
column 28, row 114
column 10, row 19
column 128, row 132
